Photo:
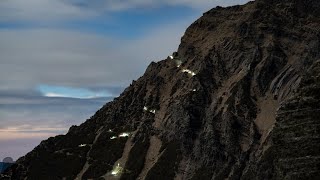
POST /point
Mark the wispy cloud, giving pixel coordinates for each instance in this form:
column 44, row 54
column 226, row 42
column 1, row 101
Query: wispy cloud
column 15, row 146
column 81, row 93
column 29, row 132
column 65, row 10
column 13, row 136
column 46, row 112
column 17, row 140
column 41, row 10
column 29, row 128
column 78, row 59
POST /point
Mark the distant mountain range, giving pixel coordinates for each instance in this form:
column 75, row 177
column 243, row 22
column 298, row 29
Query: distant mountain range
column 4, row 166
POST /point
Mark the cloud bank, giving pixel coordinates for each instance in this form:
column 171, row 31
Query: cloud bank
column 64, row 10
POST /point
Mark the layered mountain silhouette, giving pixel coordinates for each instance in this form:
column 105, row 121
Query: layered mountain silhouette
column 6, row 163
column 239, row 100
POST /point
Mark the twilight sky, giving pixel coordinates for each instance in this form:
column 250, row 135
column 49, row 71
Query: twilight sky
column 61, row 60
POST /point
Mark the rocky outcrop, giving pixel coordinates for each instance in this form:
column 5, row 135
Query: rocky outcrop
column 242, row 103
column 292, row 149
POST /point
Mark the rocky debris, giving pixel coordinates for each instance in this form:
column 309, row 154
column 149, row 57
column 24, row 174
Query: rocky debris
column 254, row 113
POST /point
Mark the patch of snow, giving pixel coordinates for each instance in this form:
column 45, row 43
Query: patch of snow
column 189, row 72
column 147, row 109
column 82, row 145
column 178, row 63
column 117, row 170
column 171, row 57
column 153, row 111
column 124, row 134
column 113, row 137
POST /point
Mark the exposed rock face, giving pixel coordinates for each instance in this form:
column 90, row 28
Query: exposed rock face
column 249, row 111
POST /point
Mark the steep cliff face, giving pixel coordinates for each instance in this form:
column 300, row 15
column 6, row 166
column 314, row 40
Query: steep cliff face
column 240, row 100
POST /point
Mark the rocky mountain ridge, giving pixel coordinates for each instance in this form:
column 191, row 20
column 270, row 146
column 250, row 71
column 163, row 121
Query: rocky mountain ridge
column 239, row 100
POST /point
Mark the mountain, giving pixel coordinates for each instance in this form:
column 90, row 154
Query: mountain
column 239, row 100
column 4, row 166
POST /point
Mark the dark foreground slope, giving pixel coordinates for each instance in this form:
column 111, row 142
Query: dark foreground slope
column 251, row 110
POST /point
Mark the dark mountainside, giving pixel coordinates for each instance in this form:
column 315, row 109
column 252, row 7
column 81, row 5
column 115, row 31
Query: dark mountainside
column 249, row 111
